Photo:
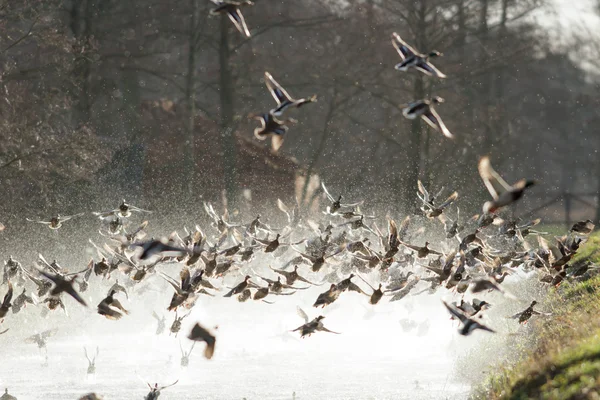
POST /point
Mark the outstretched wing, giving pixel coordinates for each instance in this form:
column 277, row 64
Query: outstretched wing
column 422, row 190
column 172, row 282
column 329, row 196
column 38, row 221
column 277, row 138
column 302, row 314
column 456, row 312
column 238, row 20
column 277, row 91
column 451, row 199
column 493, row 182
column 429, row 69
column 323, row 329
column 434, row 120
column 403, row 49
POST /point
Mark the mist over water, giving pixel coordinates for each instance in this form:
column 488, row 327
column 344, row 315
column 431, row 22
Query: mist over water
column 408, row 349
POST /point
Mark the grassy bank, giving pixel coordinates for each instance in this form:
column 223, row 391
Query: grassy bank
column 560, row 356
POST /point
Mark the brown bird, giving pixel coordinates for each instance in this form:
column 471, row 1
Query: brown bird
column 111, row 308
column 239, row 288
column 184, row 292
column 311, row 327
column 200, row 334
column 422, row 252
column 328, row 297
column 377, row 293
column 524, row 315
column 293, row 276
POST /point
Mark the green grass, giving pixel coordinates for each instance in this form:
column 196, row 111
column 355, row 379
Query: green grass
column 561, row 358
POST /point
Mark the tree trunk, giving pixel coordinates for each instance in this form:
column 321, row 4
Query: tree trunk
column 190, row 148
column 228, row 140
column 81, row 26
column 484, row 96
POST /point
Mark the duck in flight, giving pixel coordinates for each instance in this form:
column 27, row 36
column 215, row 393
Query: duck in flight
column 232, row 9
column 413, row 59
column 502, row 193
column 283, row 99
column 425, row 110
column 56, row 222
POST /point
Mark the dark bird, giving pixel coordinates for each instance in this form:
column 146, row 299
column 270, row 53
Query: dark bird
column 502, row 193
column 239, row 288
column 424, row 109
column 377, row 293
column 273, row 127
column 283, row 99
column 5, row 306
column 293, row 276
column 184, row 292
column 200, row 334
column 311, row 327
column 469, row 324
column 7, row 396
column 583, row 227
column 526, row 314
column 111, row 308
column 62, row 284
column 328, row 297
column 156, row 247
column 155, row 391
column 413, row 59
column 422, row 252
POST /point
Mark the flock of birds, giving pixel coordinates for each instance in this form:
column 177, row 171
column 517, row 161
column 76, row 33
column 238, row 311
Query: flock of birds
column 272, row 123
column 344, row 248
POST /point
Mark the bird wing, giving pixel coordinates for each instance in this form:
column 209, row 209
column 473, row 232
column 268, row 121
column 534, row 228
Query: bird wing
column 323, row 329
column 329, row 196
column 235, row 15
column 456, row 312
column 451, row 199
column 423, row 191
column 8, row 295
column 172, row 282
column 302, row 314
column 277, row 139
column 281, row 205
column 429, row 69
column 365, row 281
column 403, row 49
column 63, row 218
column 38, row 221
column 172, row 384
column 277, row 91
column 493, row 182
column 434, row 120
column 134, row 208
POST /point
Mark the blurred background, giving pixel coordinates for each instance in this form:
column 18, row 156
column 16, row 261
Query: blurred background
column 150, row 101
